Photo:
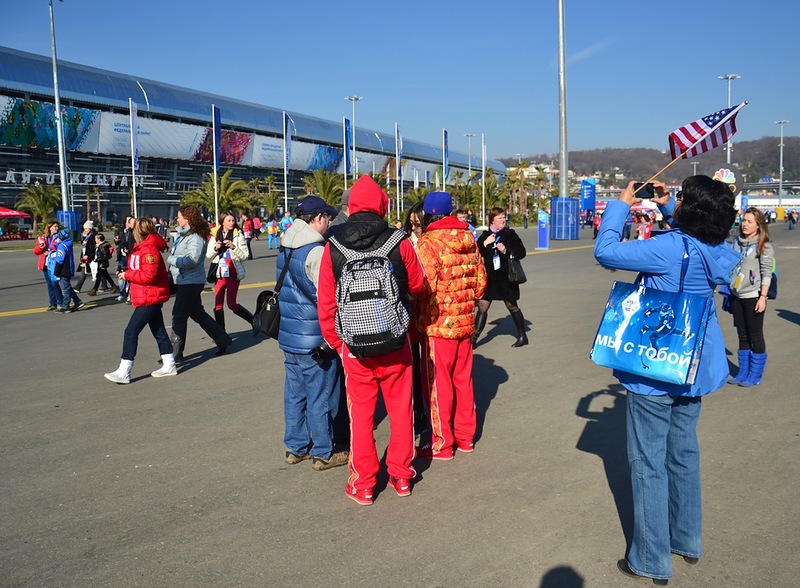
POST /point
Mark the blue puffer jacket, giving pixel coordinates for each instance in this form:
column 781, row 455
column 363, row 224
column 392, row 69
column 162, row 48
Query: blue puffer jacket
column 186, row 260
column 659, row 260
column 300, row 331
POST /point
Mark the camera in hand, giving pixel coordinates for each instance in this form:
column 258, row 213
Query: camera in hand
column 648, row 192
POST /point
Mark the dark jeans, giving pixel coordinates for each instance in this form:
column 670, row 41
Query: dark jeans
column 749, row 324
column 102, row 276
column 189, row 306
column 142, row 316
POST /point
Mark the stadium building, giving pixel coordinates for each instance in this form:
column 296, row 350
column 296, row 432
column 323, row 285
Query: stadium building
column 175, row 142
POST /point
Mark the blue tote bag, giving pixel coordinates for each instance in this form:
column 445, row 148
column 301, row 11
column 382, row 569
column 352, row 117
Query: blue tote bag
column 653, row 333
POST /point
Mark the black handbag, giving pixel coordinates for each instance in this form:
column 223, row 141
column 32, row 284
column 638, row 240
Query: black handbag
column 211, row 277
column 267, row 318
column 516, row 275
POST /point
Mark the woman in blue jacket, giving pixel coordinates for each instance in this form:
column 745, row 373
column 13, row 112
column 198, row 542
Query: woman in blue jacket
column 186, row 265
column 663, row 452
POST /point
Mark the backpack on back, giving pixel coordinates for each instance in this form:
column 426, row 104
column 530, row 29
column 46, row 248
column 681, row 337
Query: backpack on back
column 371, row 318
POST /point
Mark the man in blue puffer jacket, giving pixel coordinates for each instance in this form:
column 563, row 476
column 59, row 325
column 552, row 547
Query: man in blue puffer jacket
column 311, row 387
column 61, row 265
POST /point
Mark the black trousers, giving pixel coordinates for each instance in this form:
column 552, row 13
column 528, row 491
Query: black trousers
column 749, row 324
column 188, row 305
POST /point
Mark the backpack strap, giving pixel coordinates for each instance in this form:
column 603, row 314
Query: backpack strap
column 383, row 251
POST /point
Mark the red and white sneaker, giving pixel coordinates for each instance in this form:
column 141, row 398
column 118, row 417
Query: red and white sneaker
column 428, row 452
column 401, row 485
column 362, row 497
column 465, row 447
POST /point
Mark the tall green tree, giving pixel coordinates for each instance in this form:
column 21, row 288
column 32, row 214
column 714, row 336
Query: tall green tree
column 266, row 193
column 233, row 194
column 41, row 200
column 326, row 185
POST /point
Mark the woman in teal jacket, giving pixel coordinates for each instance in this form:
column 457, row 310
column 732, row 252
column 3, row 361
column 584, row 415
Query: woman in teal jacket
column 186, row 264
column 663, row 451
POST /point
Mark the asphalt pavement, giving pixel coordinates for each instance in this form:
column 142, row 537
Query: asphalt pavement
column 181, row 481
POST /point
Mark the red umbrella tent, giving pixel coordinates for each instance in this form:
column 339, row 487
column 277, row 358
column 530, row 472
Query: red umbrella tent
column 11, row 213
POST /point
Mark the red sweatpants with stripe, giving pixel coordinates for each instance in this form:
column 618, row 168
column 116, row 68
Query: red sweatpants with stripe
column 391, row 373
column 452, row 397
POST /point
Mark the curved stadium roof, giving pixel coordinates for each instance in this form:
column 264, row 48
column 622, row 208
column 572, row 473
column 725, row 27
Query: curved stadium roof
column 30, row 73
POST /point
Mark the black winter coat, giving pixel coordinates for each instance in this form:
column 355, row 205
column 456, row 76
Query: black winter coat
column 498, row 286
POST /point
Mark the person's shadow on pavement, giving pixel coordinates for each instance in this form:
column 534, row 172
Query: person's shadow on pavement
column 486, row 379
column 604, row 435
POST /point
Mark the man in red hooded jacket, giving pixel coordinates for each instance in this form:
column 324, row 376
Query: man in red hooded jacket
column 366, row 230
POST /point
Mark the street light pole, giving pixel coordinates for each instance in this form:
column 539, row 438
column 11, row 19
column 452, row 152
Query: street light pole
column 354, row 99
column 694, row 168
column 469, row 152
column 780, row 185
column 62, row 156
column 729, row 78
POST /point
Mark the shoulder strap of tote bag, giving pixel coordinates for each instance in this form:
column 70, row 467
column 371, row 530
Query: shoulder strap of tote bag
column 684, row 266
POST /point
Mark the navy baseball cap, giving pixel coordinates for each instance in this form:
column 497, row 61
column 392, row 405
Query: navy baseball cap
column 438, row 203
column 315, row 205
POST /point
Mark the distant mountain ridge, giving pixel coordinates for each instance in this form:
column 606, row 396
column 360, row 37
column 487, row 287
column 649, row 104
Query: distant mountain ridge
column 755, row 159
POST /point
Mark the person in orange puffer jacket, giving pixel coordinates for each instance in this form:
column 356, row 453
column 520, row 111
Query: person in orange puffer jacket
column 456, row 280
column 149, row 289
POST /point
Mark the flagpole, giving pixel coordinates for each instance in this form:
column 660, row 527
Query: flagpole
column 344, row 148
column 285, row 169
column 216, row 162
column 134, row 162
column 399, row 166
column 483, row 178
column 692, row 146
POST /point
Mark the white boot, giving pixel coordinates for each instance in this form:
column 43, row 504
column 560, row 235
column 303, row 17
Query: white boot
column 167, row 368
column 123, row 373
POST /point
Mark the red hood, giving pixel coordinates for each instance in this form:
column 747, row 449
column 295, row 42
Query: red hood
column 366, row 196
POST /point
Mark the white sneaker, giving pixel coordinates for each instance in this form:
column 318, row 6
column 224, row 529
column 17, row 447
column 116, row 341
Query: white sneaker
column 164, row 371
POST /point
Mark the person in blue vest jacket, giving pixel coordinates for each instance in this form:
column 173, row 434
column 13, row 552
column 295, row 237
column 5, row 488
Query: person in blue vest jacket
column 61, row 266
column 663, row 452
column 311, row 386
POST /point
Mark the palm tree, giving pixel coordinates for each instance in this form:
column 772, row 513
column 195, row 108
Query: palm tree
column 41, row 200
column 326, row 185
column 233, row 194
column 270, row 197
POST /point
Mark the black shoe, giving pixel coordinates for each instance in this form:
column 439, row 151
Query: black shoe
column 622, row 566
column 64, row 310
column 692, row 561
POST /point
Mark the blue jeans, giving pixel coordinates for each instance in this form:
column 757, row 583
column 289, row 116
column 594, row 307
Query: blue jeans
column 53, row 290
column 272, row 239
column 67, row 293
column 310, row 403
column 664, row 459
column 141, row 317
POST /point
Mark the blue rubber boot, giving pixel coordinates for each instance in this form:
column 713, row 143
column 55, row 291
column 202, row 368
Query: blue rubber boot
column 744, row 367
column 758, row 362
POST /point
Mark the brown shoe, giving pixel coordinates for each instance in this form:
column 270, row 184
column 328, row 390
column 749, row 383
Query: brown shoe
column 114, row 290
column 337, row 458
column 291, row 458
column 92, row 292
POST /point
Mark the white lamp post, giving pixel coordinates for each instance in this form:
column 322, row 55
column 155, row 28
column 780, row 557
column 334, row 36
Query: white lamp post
column 729, row 78
column 780, row 184
column 62, row 156
column 354, row 99
column 469, row 152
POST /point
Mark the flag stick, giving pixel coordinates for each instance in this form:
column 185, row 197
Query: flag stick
column 692, row 146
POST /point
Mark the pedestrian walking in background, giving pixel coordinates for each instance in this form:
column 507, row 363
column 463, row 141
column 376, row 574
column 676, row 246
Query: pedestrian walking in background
column 186, row 263
column 456, row 280
column 228, row 249
column 87, row 255
column 102, row 258
column 663, row 451
column 123, row 243
column 271, row 226
column 149, row 284
column 495, row 245
column 751, row 280
column 247, row 228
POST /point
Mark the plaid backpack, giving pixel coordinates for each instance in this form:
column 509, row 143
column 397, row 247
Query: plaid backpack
column 371, row 319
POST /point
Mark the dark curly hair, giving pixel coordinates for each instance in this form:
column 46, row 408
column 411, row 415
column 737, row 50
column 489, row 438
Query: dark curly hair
column 706, row 211
column 196, row 222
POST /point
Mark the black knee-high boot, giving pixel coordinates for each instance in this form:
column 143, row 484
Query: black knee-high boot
column 219, row 316
column 480, row 323
column 244, row 314
column 519, row 322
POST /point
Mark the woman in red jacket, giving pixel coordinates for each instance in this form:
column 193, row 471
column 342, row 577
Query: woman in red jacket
column 147, row 276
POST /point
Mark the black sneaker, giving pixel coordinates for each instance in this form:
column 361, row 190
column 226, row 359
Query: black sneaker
column 80, row 305
column 64, row 310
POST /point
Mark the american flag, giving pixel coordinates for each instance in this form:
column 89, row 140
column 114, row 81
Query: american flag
column 704, row 134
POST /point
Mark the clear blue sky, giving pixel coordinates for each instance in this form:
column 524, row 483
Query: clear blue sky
column 635, row 70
